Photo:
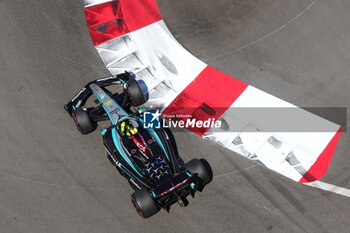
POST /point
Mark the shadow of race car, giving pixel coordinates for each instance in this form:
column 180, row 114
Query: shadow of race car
column 146, row 157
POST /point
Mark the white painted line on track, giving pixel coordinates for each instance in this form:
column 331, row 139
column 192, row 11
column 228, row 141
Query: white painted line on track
column 27, row 180
column 271, row 33
column 280, row 28
column 237, row 171
column 316, row 184
column 330, row 188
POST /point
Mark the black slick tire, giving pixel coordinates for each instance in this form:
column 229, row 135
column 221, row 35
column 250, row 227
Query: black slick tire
column 83, row 121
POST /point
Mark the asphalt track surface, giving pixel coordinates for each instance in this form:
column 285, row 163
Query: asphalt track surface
column 55, row 180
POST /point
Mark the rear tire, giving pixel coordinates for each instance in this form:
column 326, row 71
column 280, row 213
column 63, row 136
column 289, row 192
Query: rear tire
column 202, row 169
column 83, row 121
column 135, row 92
column 144, row 203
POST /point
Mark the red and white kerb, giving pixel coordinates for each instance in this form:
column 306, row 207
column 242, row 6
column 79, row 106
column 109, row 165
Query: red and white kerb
column 131, row 35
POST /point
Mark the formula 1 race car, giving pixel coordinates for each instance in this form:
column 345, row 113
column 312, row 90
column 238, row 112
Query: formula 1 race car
column 146, row 157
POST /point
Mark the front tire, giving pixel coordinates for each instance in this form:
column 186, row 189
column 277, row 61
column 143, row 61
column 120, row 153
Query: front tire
column 83, row 121
column 144, row 203
column 135, row 92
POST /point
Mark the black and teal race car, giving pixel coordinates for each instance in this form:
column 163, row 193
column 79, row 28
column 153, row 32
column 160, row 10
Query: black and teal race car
column 146, row 157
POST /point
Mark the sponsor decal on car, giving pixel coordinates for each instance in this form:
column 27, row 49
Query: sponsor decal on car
column 79, row 93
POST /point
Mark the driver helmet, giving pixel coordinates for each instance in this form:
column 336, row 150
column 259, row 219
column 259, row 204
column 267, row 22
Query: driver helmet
column 128, row 128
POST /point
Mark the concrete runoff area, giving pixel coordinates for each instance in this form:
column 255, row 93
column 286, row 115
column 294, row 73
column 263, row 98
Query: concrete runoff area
column 55, row 180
